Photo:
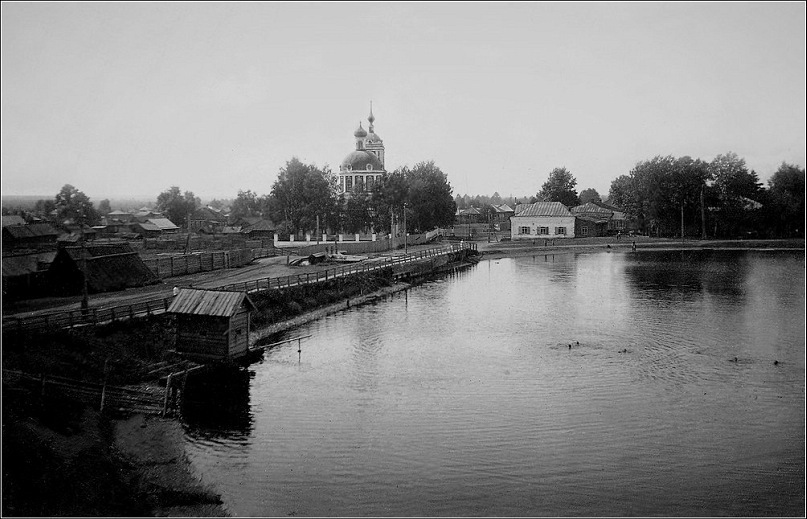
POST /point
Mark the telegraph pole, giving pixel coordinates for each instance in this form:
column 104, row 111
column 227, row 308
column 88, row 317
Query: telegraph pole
column 405, row 231
column 703, row 216
column 85, row 300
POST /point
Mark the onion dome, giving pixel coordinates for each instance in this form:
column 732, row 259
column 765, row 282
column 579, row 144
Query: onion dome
column 360, row 132
column 359, row 160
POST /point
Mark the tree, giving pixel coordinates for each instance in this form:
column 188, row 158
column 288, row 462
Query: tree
column 658, row 190
column 246, row 203
column 589, row 195
column 300, row 194
column 356, row 216
column 43, row 208
column 429, row 199
column 74, row 205
column 733, row 187
column 787, row 196
column 177, row 206
column 560, row 188
column 104, row 208
column 389, row 196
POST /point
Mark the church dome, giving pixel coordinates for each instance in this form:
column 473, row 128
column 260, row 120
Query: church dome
column 360, row 132
column 358, row 161
column 374, row 138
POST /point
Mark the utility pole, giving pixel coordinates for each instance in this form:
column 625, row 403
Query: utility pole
column 85, row 300
column 405, row 232
column 317, row 229
column 682, row 223
column 703, row 216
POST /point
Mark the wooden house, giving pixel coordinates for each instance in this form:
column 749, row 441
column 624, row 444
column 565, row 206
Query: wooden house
column 212, row 324
column 207, row 220
column 113, row 266
column 29, row 235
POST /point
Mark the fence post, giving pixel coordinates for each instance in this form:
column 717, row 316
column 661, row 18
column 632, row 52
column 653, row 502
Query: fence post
column 167, row 391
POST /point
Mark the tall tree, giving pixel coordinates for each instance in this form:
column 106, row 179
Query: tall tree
column 75, row 205
column 430, row 199
column 389, row 196
column 787, row 196
column 589, row 195
column 177, row 205
column 733, row 190
column 104, row 208
column 301, row 193
column 247, row 203
column 560, row 188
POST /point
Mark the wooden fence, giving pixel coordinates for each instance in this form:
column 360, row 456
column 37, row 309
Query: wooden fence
column 157, row 306
column 131, row 399
column 180, row 265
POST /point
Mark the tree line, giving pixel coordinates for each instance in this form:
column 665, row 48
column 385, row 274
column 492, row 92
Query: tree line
column 663, row 195
column 304, row 198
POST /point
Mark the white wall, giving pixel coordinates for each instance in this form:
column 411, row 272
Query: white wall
column 533, row 222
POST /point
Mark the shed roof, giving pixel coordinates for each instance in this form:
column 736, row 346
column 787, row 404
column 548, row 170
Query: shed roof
column 13, row 219
column 25, row 264
column 503, row 208
column 33, row 230
column 591, row 207
column 163, row 224
column 109, row 266
column 542, row 209
column 218, row 303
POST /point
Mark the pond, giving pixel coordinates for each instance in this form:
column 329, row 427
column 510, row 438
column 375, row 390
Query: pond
column 601, row 384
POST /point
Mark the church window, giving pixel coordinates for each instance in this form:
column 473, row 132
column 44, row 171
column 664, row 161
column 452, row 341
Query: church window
column 349, row 183
column 342, row 183
column 369, row 167
column 359, row 184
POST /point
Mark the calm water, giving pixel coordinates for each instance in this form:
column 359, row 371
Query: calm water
column 461, row 397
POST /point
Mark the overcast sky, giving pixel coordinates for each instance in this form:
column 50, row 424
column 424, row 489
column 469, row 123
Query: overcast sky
column 131, row 98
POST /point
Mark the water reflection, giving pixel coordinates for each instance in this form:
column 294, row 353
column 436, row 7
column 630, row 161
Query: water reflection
column 463, row 396
column 216, row 404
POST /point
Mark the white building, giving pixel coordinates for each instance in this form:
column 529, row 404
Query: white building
column 541, row 220
column 363, row 167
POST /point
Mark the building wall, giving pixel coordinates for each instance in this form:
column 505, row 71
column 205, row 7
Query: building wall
column 201, row 334
column 535, row 223
column 239, row 333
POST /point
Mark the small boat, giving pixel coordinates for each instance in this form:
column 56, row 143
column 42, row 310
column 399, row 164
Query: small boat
column 344, row 257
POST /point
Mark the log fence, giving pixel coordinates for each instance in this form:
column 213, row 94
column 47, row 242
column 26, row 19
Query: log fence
column 96, row 316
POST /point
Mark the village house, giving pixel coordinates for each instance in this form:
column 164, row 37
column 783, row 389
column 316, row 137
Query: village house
column 29, row 235
column 501, row 216
column 109, row 267
column 206, row 220
column 212, row 324
column 542, row 220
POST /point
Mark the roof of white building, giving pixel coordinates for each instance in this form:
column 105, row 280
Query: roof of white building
column 542, row 209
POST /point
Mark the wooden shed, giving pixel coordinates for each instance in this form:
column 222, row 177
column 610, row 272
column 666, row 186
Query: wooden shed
column 212, row 324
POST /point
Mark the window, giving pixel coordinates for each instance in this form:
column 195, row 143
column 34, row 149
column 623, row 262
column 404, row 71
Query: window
column 543, row 230
column 342, row 183
column 348, row 183
column 523, row 230
column 369, row 167
column 370, row 182
column 359, row 183
column 560, row 230
column 584, row 231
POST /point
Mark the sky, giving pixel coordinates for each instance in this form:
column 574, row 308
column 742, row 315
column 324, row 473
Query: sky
column 129, row 99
